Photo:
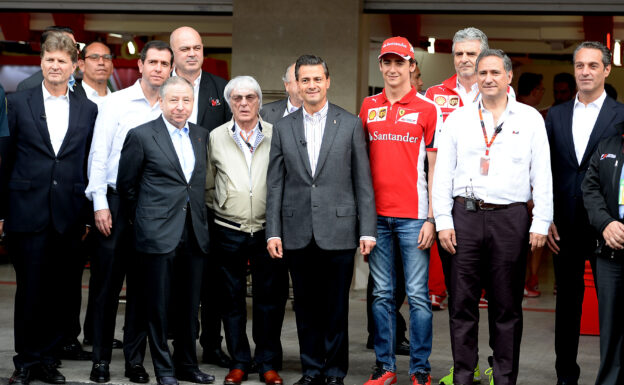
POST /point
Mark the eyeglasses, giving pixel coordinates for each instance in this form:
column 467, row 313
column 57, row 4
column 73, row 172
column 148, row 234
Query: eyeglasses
column 96, row 57
column 250, row 98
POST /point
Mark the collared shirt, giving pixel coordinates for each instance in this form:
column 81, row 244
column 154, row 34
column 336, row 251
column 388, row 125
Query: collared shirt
column 57, row 116
column 467, row 96
column 519, row 162
column 314, row 128
column 583, row 120
column 183, row 147
column 247, row 142
column 93, row 95
column 289, row 108
column 193, row 117
column 120, row 112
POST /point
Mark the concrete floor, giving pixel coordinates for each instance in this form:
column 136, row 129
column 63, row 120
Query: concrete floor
column 536, row 360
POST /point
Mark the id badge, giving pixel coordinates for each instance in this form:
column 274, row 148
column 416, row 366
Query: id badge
column 484, row 165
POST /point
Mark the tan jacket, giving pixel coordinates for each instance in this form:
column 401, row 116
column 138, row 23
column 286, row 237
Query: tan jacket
column 236, row 194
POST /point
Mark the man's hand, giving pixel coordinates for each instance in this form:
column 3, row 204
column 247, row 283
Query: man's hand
column 448, row 240
column 613, row 234
column 275, row 248
column 1, row 227
column 536, row 240
column 553, row 238
column 104, row 221
column 366, row 247
column 426, row 237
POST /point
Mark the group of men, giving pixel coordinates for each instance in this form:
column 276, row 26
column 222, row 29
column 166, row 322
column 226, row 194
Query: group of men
column 181, row 165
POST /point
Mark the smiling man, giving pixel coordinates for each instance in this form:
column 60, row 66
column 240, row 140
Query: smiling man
column 492, row 157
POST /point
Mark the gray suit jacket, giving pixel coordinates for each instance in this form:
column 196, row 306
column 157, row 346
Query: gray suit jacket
column 31, row 81
column 153, row 188
column 273, row 111
column 336, row 205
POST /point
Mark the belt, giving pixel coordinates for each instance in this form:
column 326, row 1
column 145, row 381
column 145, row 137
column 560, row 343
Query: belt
column 232, row 223
column 488, row 206
column 112, row 191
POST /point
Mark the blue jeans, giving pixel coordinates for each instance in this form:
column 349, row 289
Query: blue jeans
column 416, row 268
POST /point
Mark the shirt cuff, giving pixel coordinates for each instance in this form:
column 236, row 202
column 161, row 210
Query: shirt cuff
column 367, row 238
column 99, row 202
column 539, row 227
column 444, row 222
column 273, row 238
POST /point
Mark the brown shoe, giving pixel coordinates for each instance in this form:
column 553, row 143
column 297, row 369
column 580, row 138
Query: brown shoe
column 271, row 377
column 235, row 377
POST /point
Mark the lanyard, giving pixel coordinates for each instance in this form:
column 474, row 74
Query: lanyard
column 246, row 139
column 496, row 131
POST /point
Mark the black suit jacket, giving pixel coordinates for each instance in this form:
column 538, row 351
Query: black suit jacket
column 212, row 108
column 152, row 184
column 567, row 173
column 40, row 188
column 274, row 111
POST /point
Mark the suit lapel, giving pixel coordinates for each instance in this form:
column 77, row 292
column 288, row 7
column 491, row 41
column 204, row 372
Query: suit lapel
column 331, row 129
column 300, row 140
column 196, row 142
column 74, row 116
column 37, row 109
column 605, row 116
column 202, row 101
column 567, row 132
column 163, row 140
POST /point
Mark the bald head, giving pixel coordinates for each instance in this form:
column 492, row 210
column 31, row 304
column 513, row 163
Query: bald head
column 188, row 52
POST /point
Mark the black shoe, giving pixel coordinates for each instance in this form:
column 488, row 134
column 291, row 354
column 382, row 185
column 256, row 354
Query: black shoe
column 334, row 380
column 136, row 373
column 309, row 380
column 166, row 380
column 402, row 348
column 117, row 344
column 20, row 376
column 195, row 376
column 74, row 352
column 48, row 373
column 216, row 357
column 100, row 372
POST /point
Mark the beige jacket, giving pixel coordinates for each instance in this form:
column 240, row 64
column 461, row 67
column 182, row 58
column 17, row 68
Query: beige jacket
column 236, row 194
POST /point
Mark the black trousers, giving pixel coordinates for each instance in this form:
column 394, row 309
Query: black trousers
column 270, row 292
column 45, row 267
column 577, row 245
column 490, row 243
column 114, row 257
column 321, row 281
column 610, row 278
column 211, row 296
column 180, row 270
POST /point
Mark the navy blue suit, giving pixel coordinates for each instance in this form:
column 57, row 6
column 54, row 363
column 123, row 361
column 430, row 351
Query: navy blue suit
column 577, row 236
column 45, row 211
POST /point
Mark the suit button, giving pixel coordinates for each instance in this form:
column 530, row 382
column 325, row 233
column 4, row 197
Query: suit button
column 56, row 161
column 313, row 186
column 184, row 208
column 54, row 182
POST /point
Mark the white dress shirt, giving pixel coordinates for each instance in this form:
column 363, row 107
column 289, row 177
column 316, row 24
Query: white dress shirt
column 193, row 117
column 583, row 120
column 183, row 147
column 289, row 108
column 314, row 127
column 519, row 162
column 57, row 117
column 467, row 96
column 93, row 95
column 120, row 112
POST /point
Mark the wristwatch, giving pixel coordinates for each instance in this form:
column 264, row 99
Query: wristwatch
column 431, row 220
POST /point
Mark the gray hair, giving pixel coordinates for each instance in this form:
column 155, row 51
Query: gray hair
column 242, row 82
column 173, row 81
column 606, row 54
column 285, row 78
column 499, row 53
column 470, row 33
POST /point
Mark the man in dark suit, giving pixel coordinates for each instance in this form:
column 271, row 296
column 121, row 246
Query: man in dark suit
column 272, row 112
column 161, row 180
column 209, row 111
column 320, row 205
column 43, row 203
column 574, row 130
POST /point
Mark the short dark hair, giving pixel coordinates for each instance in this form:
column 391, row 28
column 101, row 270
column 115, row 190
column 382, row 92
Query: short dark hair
column 606, row 54
column 83, row 53
column 54, row 28
column 310, row 60
column 499, row 53
column 564, row 77
column 158, row 45
column 57, row 41
column 527, row 82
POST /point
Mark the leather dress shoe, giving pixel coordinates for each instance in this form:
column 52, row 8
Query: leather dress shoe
column 136, row 373
column 195, row 376
column 166, row 380
column 235, row 377
column 309, row 380
column 74, row 352
column 402, row 348
column 270, row 377
column 20, row 376
column 100, row 372
column 334, row 380
column 48, row 373
column 216, row 357
column 117, row 344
